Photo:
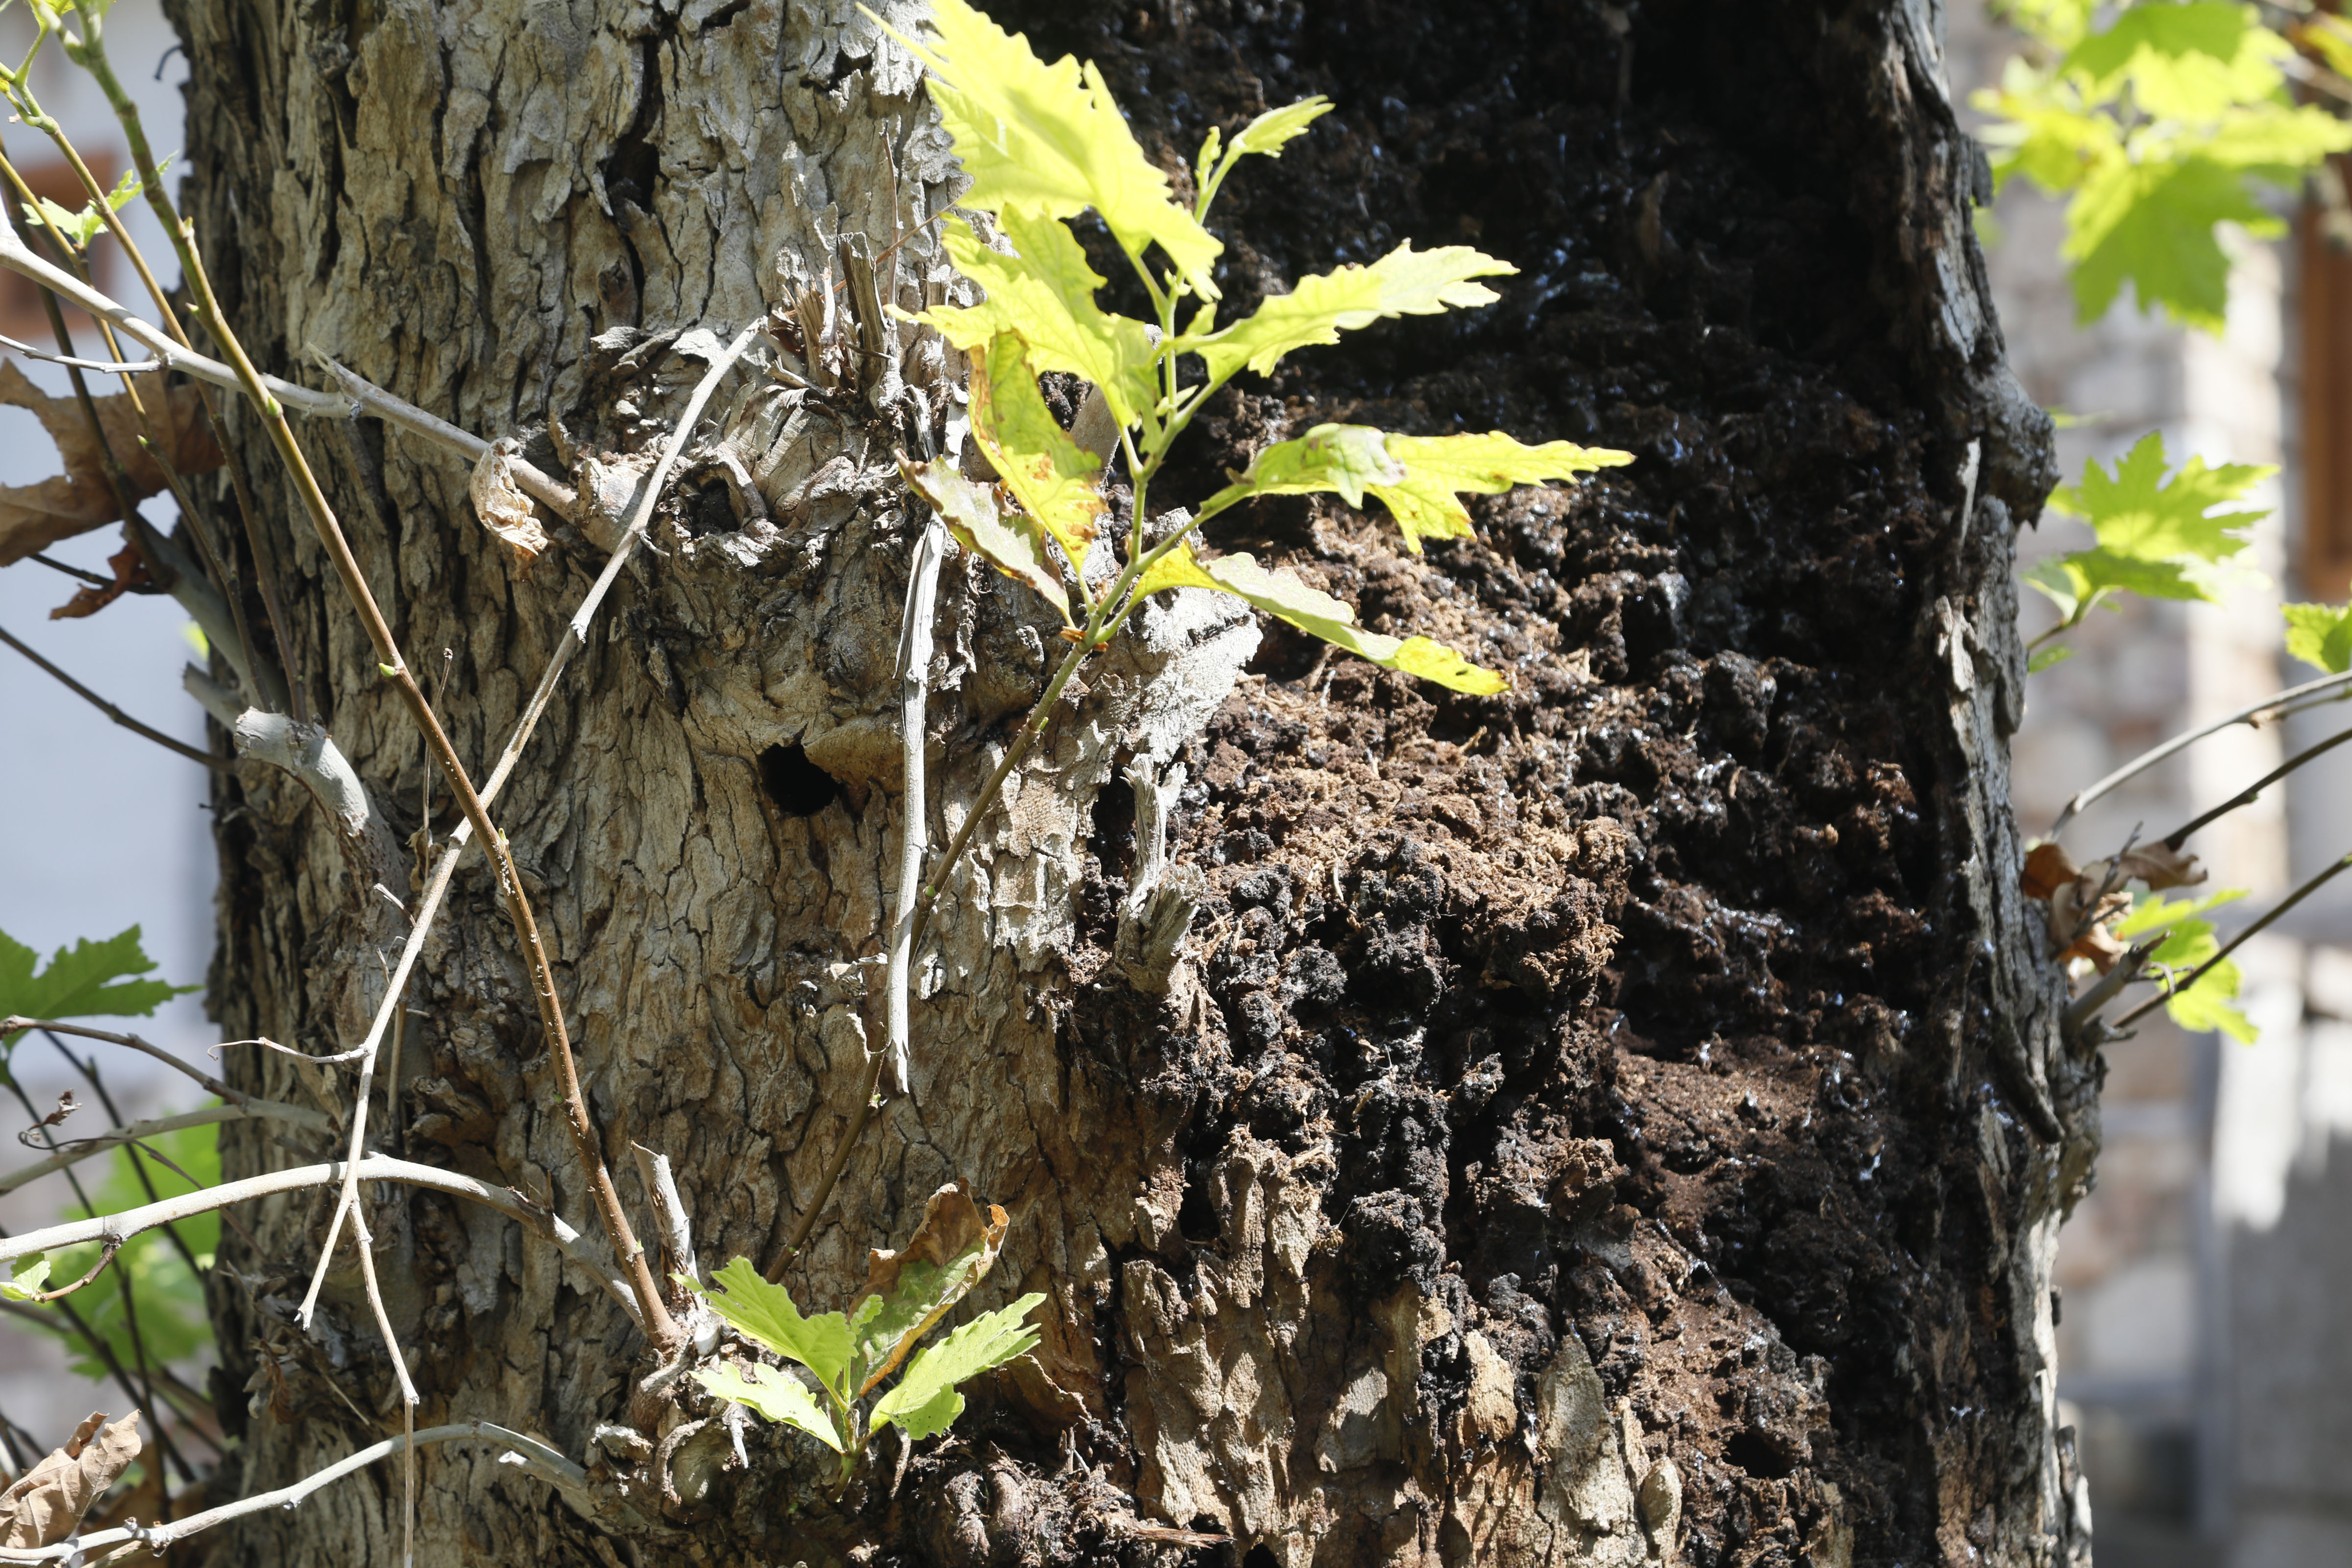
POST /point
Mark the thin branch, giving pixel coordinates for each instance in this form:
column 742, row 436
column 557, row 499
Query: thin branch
column 2269, row 916
column 365, row 394
column 2253, row 791
column 219, row 765
column 915, row 686
column 540, row 1458
column 73, row 1151
column 54, row 564
column 301, row 1114
column 2293, row 699
column 375, row 1168
column 110, row 367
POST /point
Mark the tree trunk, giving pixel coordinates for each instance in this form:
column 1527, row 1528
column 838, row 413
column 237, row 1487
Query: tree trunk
column 1619, row 1122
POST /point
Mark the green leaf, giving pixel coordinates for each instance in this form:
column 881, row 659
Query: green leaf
column 765, row 1314
column 2056, row 653
column 28, row 1279
column 1348, row 460
column 1404, row 282
column 2189, row 941
column 908, row 1291
column 1046, row 291
column 1266, row 135
column 2151, row 225
column 87, row 225
column 1010, row 543
column 2191, row 61
column 1438, row 469
column 1048, row 140
column 925, row 1401
column 1287, row 599
column 89, row 979
column 2320, row 635
column 774, row 1394
column 2160, row 537
column 1052, row 477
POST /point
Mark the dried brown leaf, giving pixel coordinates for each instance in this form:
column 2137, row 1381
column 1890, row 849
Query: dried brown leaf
column 34, row 517
column 2048, row 867
column 908, row 1291
column 2160, row 866
column 130, row 577
column 504, row 510
column 49, row 1502
column 2081, row 918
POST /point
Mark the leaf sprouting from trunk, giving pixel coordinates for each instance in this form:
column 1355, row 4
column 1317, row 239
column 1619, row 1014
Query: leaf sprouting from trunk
column 908, row 1291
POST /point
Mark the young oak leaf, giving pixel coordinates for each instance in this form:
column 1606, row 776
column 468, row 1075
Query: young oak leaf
column 774, row 1394
column 88, row 979
column 1051, row 477
column 1404, row 282
column 1265, row 135
column 1049, row 140
column 1287, row 599
column 1045, row 292
column 1348, row 460
column 2320, row 635
column 926, row 1401
column 765, row 1314
column 1439, row 468
column 1010, row 543
column 908, row 1291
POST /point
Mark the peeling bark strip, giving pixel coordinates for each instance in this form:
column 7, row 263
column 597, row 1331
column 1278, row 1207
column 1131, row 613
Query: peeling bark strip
column 1624, row 1121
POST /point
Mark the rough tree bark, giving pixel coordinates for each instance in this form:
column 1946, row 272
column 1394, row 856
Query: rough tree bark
column 1621, row 1122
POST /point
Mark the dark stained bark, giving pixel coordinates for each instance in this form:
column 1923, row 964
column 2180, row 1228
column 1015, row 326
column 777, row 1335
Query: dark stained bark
column 1619, row 1122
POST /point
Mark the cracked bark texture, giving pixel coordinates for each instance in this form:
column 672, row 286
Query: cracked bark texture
column 1622, row 1122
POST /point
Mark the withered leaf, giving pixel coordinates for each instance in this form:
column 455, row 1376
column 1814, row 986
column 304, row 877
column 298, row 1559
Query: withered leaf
column 2160, row 866
column 2080, row 918
column 130, row 577
column 35, row 516
column 908, row 1291
column 44, row 1507
column 504, row 510
column 2048, row 867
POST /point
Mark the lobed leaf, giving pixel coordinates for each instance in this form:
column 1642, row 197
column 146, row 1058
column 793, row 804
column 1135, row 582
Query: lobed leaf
column 1045, row 291
column 1265, row 135
column 765, row 1314
column 2189, row 941
column 2320, row 635
column 1050, row 140
column 774, row 1394
column 1287, row 599
column 925, row 1402
column 1439, row 468
column 89, row 979
column 1346, row 460
column 1050, row 474
column 1012, row 544
column 908, row 1291
column 1404, row 282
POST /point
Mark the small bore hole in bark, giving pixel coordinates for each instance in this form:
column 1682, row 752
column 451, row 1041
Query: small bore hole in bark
column 1259, row 1556
column 798, row 786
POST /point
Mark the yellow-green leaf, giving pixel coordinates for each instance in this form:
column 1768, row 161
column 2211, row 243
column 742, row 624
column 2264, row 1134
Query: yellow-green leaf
column 1045, row 292
column 28, row 1279
column 1346, row 459
column 1265, row 135
column 1052, row 477
column 774, row 1394
column 908, row 1291
column 925, row 1401
column 2320, row 635
column 765, row 1313
column 1287, row 599
column 1049, row 140
column 1439, row 468
column 1404, row 282
column 1011, row 544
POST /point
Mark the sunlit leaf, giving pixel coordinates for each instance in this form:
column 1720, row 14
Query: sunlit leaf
column 2320, row 635
column 1342, row 459
column 925, row 1401
column 1439, row 468
column 2188, row 942
column 1052, row 477
column 2042, row 658
column 765, row 1313
column 1287, row 599
column 88, row 979
column 908, row 1291
column 774, row 1394
column 1266, row 135
column 28, row 1279
column 1045, row 292
column 1405, row 282
column 1049, row 140
column 1010, row 542
column 2162, row 537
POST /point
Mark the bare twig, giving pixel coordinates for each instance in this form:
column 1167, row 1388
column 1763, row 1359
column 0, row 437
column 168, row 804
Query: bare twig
column 2293, row 699
column 303, row 1115
column 110, row 367
column 915, row 685
column 2253, row 791
column 219, row 765
column 539, row 1457
column 72, row 1152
